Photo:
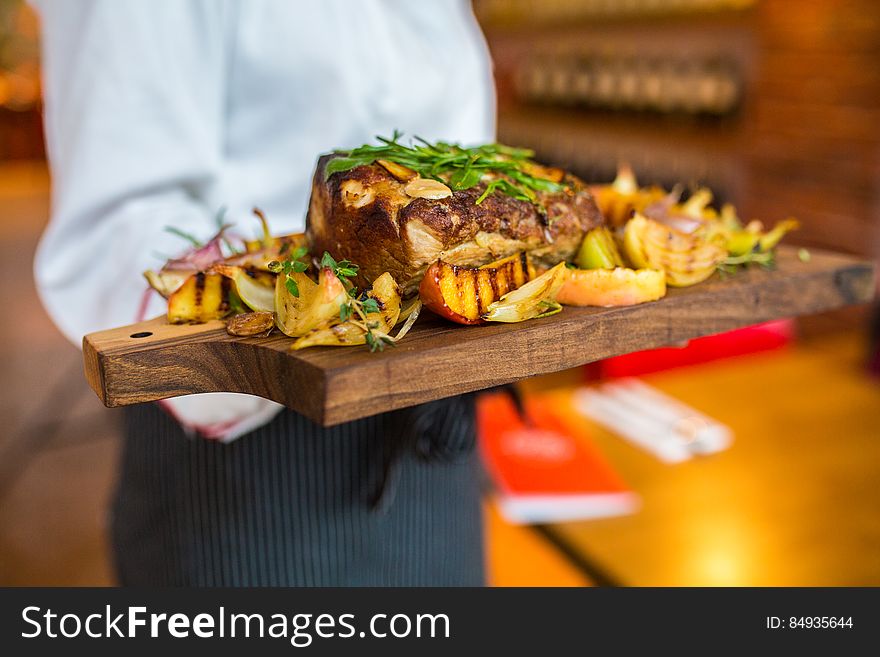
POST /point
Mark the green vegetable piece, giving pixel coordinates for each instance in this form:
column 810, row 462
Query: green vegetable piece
column 599, row 251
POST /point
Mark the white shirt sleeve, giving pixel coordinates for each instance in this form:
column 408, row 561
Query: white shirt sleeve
column 134, row 133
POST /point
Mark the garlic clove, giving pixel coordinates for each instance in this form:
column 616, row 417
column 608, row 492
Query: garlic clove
column 402, row 173
column 427, row 188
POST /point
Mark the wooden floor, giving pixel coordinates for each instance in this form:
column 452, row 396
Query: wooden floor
column 795, row 501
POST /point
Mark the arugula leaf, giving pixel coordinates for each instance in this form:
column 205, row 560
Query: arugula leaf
column 462, row 167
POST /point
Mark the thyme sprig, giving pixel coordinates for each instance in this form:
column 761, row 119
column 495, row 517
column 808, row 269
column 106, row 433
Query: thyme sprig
column 357, row 307
column 344, row 269
column 459, row 167
column 293, row 264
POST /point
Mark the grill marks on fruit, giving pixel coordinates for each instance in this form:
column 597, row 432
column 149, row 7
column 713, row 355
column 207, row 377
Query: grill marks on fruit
column 201, row 298
column 225, row 289
column 199, row 289
column 470, row 291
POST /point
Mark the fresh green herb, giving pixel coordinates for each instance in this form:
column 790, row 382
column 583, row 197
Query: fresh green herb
column 377, row 342
column 187, row 236
column 459, row 167
column 344, row 269
column 370, row 305
column 221, row 227
column 293, row 264
column 766, row 259
column 236, row 304
column 356, row 309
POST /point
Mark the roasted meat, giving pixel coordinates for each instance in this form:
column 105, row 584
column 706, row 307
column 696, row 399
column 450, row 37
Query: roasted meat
column 366, row 216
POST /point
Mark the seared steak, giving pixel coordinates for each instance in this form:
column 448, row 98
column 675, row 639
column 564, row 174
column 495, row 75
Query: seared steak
column 364, row 215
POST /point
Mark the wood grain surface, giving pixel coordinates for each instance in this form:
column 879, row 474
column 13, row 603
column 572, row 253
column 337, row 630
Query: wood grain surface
column 438, row 359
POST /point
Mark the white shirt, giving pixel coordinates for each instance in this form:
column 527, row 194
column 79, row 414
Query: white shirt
column 158, row 113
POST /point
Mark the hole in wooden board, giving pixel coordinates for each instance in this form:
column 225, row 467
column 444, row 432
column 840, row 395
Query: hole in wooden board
column 142, row 334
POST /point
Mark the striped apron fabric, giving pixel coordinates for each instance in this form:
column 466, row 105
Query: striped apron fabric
column 390, row 500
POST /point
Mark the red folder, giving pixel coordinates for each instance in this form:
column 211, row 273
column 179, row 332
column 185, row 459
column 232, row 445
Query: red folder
column 549, row 470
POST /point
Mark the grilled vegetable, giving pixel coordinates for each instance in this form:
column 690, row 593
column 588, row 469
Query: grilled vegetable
column 686, row 259
column 463, row 294
column 167, row 282
column 251, row 324
column 599, row 251
column 743, row 241
column 255, row 288
column 201, row 298
column 316, row 305
column 371, row 328
column 537, row 298
column 258, row 255
column 623, row 197
column 611, row 287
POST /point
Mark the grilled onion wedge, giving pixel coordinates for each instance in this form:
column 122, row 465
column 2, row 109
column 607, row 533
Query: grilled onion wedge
column 316, row 306
column 353, row 331
column 687, row 259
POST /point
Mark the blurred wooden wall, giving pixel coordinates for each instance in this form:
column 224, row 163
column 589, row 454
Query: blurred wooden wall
column 805, row 139
column 813, row 120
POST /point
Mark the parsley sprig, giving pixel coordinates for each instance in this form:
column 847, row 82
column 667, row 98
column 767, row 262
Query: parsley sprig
column 459, row 167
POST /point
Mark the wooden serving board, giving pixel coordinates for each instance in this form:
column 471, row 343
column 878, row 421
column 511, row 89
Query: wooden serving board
column 155, row 360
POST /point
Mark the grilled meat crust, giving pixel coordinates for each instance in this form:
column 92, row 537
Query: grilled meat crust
column 365, row 216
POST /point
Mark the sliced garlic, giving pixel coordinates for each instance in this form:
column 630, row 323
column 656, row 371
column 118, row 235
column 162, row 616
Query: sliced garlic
column 355, row 195
column 402, row 173
column 427, row 188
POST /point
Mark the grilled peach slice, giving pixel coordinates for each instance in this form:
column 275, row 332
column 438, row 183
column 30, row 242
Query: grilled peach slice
column 611, row 287
column 201, row 298
column 463, row 294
